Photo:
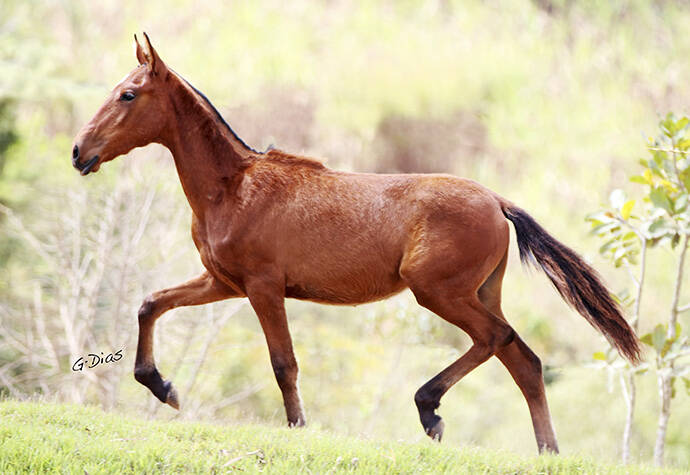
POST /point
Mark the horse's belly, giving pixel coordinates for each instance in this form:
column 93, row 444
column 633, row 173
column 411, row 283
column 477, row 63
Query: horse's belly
column 344, row 286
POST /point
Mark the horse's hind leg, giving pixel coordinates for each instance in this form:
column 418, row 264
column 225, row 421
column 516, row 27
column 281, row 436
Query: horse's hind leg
column 523, row 365
column 488, row 332
column 200, row 290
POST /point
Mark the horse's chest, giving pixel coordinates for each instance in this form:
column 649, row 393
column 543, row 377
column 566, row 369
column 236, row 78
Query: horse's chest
column 216, row 252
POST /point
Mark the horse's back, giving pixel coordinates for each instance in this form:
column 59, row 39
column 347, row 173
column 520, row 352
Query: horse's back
column 349, row 232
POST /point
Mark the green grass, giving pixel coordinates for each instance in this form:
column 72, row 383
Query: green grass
column 40, row 437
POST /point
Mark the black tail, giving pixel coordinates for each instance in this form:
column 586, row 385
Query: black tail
column 575, row 280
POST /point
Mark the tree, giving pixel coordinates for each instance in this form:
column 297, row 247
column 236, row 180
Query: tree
column 659, row 218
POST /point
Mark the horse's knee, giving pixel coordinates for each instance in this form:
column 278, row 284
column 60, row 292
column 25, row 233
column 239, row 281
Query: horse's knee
column 147, row 308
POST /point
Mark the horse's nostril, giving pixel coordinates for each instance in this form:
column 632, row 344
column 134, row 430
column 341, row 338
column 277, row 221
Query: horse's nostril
column 75, row 152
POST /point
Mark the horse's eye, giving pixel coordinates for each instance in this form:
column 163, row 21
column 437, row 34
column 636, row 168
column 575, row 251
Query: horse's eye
column 127, row 96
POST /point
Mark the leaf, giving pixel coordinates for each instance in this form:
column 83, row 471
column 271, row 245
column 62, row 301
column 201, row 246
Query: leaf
column 658, row 228
column 612, row 244
column 627, row 208
column 629, row 235
column 687, row 384
column 642, row 369
column 623, row 295
column 604, row 228
column 670, row 187
column 647, row 339
column 599, row 355
column 660, row 200
column 638, row 179
column 659, row 338
column 675, row 240
column 654, row 164
column 620, row 253
column 685, row 176
column 617, row 198
column 597, row 217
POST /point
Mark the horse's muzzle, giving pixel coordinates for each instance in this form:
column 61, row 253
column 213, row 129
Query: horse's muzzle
column 84, row 168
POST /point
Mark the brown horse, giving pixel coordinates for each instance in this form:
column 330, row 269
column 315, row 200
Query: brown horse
column 273, row 225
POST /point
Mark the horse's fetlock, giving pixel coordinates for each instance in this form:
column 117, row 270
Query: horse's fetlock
column 145, row 374
column 426, row 401
column 142, row 375
column 285, row 372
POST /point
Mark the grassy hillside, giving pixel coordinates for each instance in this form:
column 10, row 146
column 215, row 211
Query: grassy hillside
column 44, row 437
column 550, row 107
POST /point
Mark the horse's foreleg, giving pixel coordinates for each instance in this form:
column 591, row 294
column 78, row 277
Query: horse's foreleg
column 267, row 299
column 200, row 290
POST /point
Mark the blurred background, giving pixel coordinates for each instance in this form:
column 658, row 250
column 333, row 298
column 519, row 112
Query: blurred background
column 549, row 103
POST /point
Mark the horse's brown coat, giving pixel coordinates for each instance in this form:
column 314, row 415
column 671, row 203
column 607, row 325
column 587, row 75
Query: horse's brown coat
column 273, row 225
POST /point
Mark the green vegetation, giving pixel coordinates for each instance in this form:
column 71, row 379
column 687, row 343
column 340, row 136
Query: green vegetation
column 548, row 103
column 42, row 437
column 660, row 219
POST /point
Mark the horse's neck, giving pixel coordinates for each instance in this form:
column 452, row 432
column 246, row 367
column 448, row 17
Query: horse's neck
column 207, row 155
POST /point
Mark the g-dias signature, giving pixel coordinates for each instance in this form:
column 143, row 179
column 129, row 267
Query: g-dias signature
column 92, row 360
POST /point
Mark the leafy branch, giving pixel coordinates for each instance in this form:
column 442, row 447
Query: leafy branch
column 658, row 217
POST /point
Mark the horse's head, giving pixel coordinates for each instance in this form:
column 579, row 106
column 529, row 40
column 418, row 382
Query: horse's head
column 132, row 115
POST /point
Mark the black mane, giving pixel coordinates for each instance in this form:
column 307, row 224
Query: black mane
column 220, row 117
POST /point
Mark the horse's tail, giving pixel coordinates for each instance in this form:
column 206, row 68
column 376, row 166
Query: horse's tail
column 575, row 280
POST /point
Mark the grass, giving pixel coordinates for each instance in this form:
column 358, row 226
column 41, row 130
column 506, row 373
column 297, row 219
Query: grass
column 567, row 100
column 41, row 437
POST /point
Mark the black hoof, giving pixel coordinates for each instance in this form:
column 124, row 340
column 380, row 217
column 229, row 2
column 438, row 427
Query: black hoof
column 436, row 430
column 171, row 396
column 163, row 390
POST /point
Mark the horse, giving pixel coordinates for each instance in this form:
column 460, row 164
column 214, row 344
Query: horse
column 272, row 225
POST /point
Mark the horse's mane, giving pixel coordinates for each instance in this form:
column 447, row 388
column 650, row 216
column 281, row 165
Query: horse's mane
column 271, row 154
column 289, row 159
column 202, row 98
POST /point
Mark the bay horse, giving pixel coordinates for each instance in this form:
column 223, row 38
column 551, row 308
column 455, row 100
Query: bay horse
column 272, row 225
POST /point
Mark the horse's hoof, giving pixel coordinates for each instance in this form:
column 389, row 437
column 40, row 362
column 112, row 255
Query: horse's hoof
column 436, row 431
column 171, row 398
column 299, row 423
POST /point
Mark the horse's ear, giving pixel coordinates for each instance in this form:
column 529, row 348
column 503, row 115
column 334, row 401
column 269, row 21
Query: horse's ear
column 139, row 51
column 154, row 62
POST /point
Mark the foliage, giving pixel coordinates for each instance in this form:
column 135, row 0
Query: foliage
column 554, row 99
column 660, row 217
column 43, row 437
